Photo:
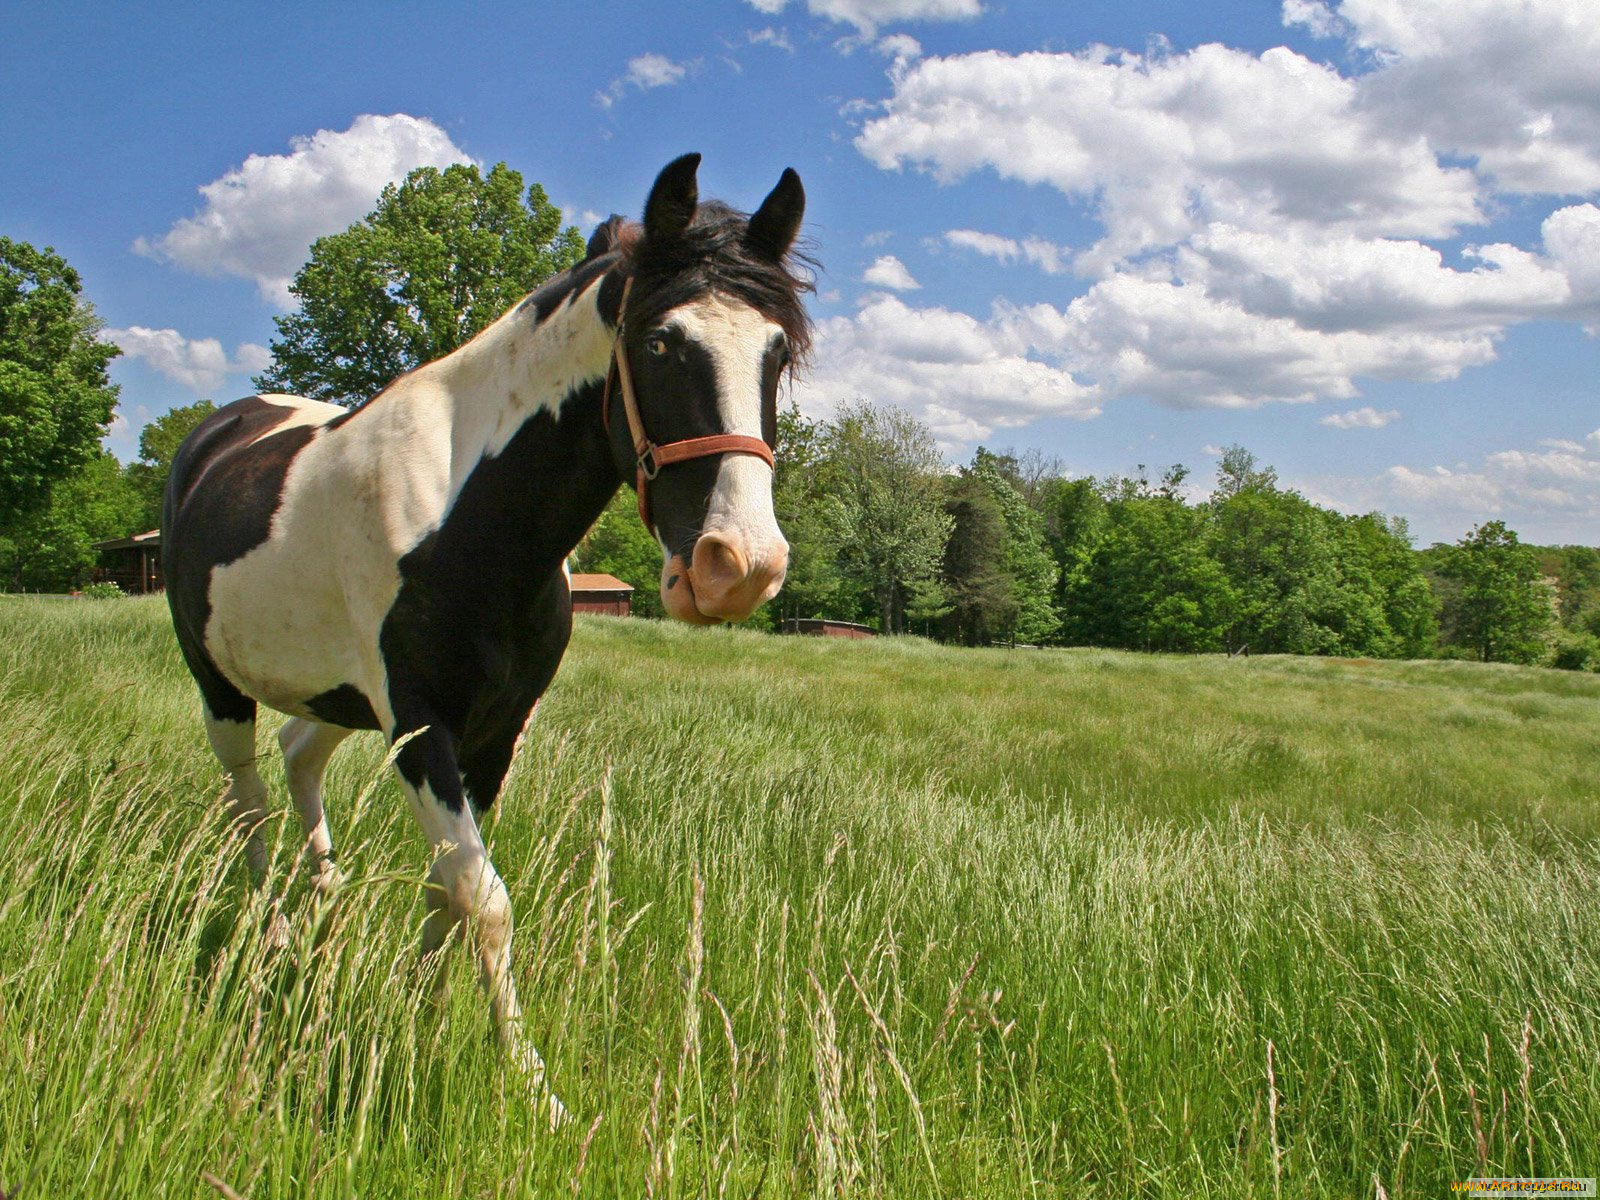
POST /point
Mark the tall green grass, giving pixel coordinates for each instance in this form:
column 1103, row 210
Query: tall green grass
column 814, row 918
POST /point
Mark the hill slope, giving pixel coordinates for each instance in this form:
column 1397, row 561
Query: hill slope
column 848, row 918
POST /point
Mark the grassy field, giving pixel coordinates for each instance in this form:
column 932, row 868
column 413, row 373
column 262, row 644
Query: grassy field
column 845, row 919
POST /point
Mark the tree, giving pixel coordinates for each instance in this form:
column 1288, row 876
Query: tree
column 981, row 592
column 619, row 544
column 1383, row 546
column 1578, row 583
column 1500, row 608
column 56, row 398
column 1237, row 472
column 800, row 500
column 887, row 507
column 158, row 445
column 1279, row 554
column 1031, row 472
column 442, row 256
column 51, row 549
column 1027, row 560
column 1075, row 519
column 1150, row 583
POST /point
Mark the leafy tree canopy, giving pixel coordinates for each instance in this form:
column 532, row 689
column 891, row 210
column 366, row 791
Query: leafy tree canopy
column 51, row 549
column 887, row 508
column 800, row 499
column 619, row 544
column 441, row 257
column 1027, row 557
column 1149, row 583
column 158, row 445
column 1500, row 607
column 55, row 396
column 981, row 591
column 1238, row 472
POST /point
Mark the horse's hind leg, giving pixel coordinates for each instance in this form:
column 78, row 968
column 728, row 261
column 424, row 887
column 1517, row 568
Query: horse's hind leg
column 307, row 747
column 234, row 743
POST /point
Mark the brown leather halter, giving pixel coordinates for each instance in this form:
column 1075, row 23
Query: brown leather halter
column 650, row 456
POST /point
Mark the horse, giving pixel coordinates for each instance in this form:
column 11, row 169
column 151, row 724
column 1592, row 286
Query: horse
column 401, row 566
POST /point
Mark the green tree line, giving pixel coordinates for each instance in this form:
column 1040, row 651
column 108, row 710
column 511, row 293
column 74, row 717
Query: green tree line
column 1003, row 549
column 440, row 256
column 1008, row 549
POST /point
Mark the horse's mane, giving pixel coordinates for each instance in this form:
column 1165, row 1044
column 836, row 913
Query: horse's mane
column 713, row 255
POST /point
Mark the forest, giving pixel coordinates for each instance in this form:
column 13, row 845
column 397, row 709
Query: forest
column 1008, row 549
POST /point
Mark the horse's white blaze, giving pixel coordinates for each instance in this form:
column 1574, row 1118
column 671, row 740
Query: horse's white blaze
column 359, row 497
column 737, row 338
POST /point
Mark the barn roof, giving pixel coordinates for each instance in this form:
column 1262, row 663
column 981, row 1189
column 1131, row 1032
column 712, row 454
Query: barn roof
column 152, row 538
column 599, row 583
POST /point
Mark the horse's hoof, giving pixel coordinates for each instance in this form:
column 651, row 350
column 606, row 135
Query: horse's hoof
column 326, row 882
column 277, row 934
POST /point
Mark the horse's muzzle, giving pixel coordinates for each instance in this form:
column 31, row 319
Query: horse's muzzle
column 724, row 581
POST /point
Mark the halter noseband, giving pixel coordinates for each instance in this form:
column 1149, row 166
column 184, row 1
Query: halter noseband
column 649, row 456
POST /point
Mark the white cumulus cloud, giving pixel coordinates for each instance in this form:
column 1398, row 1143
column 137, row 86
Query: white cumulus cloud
column 1550, row 495
column 1047, row 256
column 644, row 72
column 1164, row 146
column 963, row 376
column 868, row 15
column 888, row 271
column 259, row 219
column 1270, row 226
column 1511, row 85
column 200, row 364
column 1365, row 417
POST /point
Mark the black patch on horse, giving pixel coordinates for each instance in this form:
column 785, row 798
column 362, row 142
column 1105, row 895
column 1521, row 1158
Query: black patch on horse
column 221, row 497
column 481, row 619
column 346, row 706
column 547, row 299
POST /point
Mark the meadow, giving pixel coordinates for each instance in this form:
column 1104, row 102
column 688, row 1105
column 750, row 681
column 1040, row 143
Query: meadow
column 818, row 918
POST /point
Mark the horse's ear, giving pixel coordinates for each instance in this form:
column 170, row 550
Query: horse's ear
column 673, row 200
column 606, row 237
column 777, row 222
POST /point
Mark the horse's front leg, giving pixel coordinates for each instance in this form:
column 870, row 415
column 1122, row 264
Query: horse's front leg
column 463, row 886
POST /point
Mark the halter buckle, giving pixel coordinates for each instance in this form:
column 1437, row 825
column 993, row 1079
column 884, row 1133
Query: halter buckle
column 648, row 467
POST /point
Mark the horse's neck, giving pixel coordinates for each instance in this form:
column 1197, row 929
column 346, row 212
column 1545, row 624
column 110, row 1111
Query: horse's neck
column 518, row 367
column 531, row 388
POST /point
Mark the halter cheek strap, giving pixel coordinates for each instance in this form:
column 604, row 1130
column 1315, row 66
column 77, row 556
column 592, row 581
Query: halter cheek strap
column 649, row 456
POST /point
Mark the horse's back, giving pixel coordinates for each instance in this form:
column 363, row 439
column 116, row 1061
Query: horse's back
column 232, row 439
column 228, row 483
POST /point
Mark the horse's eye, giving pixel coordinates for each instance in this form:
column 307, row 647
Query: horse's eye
column 657, row 345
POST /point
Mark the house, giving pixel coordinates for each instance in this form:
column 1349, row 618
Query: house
column 815, row 628
column 601, row 594
column 132, row 563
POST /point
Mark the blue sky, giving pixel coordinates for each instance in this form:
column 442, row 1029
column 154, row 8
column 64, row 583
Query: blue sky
column 1359, row 237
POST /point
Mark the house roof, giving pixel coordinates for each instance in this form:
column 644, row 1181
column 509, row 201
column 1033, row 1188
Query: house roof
column 149, row 539
column 599, row 583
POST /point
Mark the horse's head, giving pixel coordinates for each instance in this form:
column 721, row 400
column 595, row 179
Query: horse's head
column 712, row 319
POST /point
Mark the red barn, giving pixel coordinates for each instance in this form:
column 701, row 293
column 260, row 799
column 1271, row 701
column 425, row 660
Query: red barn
column 819, row 628
column 601, row 594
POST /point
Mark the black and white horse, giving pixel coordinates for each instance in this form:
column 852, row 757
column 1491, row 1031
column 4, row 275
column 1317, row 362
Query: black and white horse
column 402, row 566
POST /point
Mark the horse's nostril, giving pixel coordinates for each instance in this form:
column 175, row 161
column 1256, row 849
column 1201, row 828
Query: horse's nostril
column 718, row 565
